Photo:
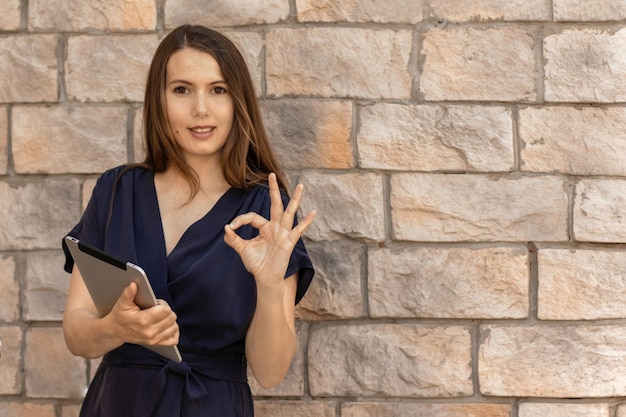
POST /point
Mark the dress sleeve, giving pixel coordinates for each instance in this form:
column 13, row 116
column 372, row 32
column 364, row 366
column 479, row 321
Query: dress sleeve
column 91, row 226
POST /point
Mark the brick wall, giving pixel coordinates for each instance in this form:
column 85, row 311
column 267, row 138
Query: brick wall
column 467, row 159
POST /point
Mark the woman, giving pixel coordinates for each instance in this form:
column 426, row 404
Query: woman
column 205, row 218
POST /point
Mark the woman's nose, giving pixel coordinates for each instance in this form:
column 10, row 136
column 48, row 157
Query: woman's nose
column 201, row 106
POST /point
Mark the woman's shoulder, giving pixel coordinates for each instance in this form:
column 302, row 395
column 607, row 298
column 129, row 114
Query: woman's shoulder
column 113, row 175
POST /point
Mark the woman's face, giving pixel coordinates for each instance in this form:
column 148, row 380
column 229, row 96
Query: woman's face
column 199, row 106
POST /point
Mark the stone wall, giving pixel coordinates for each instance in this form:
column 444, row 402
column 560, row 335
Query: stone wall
column 467, row 159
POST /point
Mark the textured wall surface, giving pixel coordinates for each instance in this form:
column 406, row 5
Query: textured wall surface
column 467, row 159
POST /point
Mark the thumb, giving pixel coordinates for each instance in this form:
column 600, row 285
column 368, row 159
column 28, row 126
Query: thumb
column 232, row 239
column 128, row 295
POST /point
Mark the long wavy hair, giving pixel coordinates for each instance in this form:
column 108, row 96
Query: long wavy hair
column 247, row 157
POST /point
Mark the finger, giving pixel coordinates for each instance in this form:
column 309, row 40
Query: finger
column 304, row 224
column 276, row 202
column 232, row 239
column 290, row 212
column 254, row 219
column 127, row 299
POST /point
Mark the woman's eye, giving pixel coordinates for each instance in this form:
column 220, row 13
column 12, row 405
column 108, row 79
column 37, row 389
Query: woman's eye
column 219, row 90
column 180, row 90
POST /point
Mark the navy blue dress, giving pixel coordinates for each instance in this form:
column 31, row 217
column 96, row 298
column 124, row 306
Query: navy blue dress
column 205, row 283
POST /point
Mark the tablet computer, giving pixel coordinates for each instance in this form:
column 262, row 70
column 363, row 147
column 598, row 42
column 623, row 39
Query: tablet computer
column 106, row 277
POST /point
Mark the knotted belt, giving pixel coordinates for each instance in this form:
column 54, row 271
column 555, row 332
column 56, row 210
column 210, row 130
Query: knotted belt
column 224, row 368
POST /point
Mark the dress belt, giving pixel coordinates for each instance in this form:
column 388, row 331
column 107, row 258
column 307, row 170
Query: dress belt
column 224, row 368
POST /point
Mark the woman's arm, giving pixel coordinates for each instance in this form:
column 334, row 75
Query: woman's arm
column 271, row 338
column 91, row 336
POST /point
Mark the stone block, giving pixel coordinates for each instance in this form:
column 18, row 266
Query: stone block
column 336, row 291
column 9, row 290
column 563, row 410
column 433, row 138
column 342, row 202
column 369, row 409
column 496, row 64
column 360, row 11
column 581, row 284
column 390, row 360
column 577, row 141
column 51, row 371
column 566, row 361
column 293, row 384
column 11, row 369
column 225, row 13
column 338, row 62
column 300, row 408
column 11, row 15
column 36, row 214
column 4, row 140
column 600, row 210
column 585, row 11
column 28, row 60
column 251, row 45
column 87, row 191
column 46, row 287
column 70, row 411
column 59, row 140
column 585, row 65
column 108, row 67
column 485, row 283
column 459, row 11
column 454, row 208
column 89, row 15
column 310, row 133
column 11, row 409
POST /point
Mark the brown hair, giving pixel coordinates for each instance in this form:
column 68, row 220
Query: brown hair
column 247, row 157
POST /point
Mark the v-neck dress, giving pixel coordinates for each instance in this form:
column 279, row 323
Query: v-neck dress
column 205, row 283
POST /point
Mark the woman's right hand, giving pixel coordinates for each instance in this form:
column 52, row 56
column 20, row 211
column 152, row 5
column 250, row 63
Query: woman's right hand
column 152, row 326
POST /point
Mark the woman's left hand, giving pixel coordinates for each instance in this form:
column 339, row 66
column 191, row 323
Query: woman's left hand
column 267, row 255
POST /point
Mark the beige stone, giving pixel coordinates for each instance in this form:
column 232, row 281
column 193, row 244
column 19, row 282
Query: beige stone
column 585, row 65
column 390, row 360
column 429, row 138
column 11, row 370
column 600, row 210
column 369, row 409
column 225, row 13
column 70, row 411
column 448, row 283
column 4, row 140
column 87, row 191
column 577, row 141
column 251, row 45
column 9, row 289
column 310, row 133
column 11, row 15
column 336, row 291
column 342, row 202
column 300, row 408
column 361, row 11
column 563, row 410
column 11, row 409
column 339, row 62
column 478, row 64
column 458, row 11
column 46, row 287
column 440, row 208
column 581, row 284
column 28, row 60
column 293, row 384
column 82, row 15
column 567, row 361
column 108, row 67
column 68, row 139
column 585, row 11
column 51, row 371
column 139, row 146
column 36, row 214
